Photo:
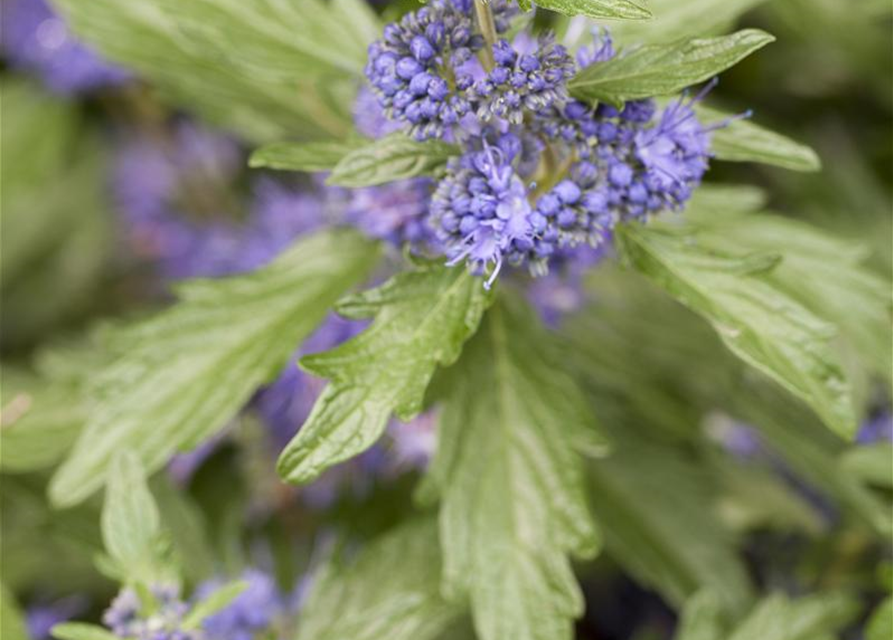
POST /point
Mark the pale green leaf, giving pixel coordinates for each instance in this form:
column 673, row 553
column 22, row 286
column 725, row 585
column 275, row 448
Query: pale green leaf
column 654, row 507
column 185, row 372
column 12, row 622
column 756, row 319
column 185, row 525
column 390, row 590
column 880, row 625
column 654, row 70
column 510, row 477
column 307, row 156
column 422, row 318
column 744, row 141
column 677, row 19
column 268, row 68
column 701, row 618
column 780, row 618
column 39, row 420
column 821, row 271
column 131, row 526
column 81, row 631
column 725, row 199
column 612, row 9
column 872, row 464
column 394, row 157
column 214, row 602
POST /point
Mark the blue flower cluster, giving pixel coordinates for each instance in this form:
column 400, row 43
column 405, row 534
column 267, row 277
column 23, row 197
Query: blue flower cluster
column 541, row 175
column 522, row 82
column 408, row 67
column 126, row 616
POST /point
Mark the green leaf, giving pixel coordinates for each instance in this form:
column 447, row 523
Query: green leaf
column 756, row 319
column 81, row 631
column 779, row 618
column 54, row 215
column 268, row 69
column 390, row 590
column 394, row 157
column 655, row 70
column 616, row 9
column 701, row 618
column 659, row 523
column 422, row 318
column 185, row 372
column 725, row 199
column 821, row 271
column 677, row 19
column 12, row 622
column 307, row 156
column 185, row 524
column 131, row 526
column 743, row 141
column 217, row 600
column 511, row 481
column 880, row 624
column 39, row 420
column 870, row 464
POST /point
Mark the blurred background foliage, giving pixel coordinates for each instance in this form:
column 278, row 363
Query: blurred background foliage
column 707, row 452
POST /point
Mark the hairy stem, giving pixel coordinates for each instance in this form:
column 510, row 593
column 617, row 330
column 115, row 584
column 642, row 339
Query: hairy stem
column 488, row 30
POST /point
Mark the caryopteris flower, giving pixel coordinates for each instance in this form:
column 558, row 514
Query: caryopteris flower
column 129, row 617
column 411, row 69
column 540, row 174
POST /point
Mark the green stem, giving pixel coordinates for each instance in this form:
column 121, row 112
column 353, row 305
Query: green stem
column 488, row 30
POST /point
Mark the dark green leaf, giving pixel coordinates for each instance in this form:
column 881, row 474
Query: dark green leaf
column 131, row 526
column 616, row 9
column 422, row 318
column 656, row 70
column 756, row 319
column 390, row 590
column 510, row 477
column 307, row 156
column 645, row 514
column 81, row 631
column 744, row 141
column 394, row 157
column 185, row 372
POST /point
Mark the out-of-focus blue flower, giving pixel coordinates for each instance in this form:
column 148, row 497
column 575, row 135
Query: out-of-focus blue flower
column 251, row 614
column 395, row 212
column 126, row 616
column 37, row 40
column 878, row 428
column 41, row 618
